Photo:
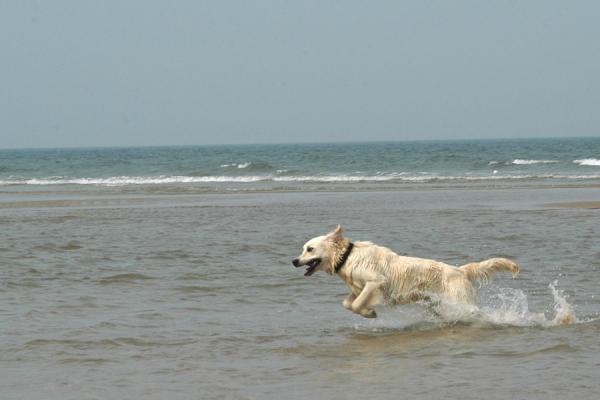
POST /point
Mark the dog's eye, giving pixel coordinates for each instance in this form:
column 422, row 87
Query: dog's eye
column 309, row 249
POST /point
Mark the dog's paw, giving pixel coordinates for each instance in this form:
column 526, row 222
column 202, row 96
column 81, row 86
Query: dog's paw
column 347, row 303
column 368, row 313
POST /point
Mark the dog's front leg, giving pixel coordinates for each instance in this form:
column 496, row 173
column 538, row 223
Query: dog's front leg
column 347, row 303
column 369, row 297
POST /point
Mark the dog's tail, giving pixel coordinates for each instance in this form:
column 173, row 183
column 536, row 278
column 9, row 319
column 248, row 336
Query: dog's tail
column 482, row 270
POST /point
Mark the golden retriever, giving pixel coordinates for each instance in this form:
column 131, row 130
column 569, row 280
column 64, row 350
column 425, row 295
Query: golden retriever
column 376, row 275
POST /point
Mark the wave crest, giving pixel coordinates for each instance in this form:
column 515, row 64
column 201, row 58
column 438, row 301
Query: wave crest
column 531, row 162
column 593, row 162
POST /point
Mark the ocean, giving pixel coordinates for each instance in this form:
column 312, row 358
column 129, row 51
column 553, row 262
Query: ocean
column 165, row 272
column 273, row 166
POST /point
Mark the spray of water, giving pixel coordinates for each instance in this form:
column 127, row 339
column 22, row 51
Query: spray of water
column 564, row 314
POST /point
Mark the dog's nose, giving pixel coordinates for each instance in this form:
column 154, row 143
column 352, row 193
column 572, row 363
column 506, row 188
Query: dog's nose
column 295, row 261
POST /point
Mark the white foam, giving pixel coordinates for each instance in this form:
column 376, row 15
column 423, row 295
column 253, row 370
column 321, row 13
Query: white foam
column 531, row 162
column 588, row 161
column 236, row 165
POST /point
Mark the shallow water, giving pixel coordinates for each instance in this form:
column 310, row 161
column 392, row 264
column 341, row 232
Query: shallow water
column 194, row 296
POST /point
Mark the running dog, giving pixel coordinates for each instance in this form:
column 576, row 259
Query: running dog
column 376, row 275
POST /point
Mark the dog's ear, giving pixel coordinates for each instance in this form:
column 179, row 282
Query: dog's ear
column 336, row 234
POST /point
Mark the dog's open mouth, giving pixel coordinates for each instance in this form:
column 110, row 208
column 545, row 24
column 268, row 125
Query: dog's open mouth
column 312, row 266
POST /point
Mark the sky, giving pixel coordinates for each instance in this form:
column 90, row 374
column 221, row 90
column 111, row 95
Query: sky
column 141, row 72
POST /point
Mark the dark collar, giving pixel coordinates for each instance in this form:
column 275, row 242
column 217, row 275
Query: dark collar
column 342, row 261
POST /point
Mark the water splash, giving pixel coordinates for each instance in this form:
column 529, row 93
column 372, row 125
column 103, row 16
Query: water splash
column 500, row 306
column 564, row 314
column 508, row 307
column 497, row 307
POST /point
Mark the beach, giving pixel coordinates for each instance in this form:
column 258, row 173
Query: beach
column 131, row 293
column 164, row 167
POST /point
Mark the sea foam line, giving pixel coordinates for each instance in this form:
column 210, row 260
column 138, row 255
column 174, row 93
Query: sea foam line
column 165, row 180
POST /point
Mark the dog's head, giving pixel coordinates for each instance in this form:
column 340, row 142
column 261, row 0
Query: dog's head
column 318, row 252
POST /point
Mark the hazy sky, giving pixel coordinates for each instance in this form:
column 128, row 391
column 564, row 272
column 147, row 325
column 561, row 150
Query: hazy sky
column 103, row 73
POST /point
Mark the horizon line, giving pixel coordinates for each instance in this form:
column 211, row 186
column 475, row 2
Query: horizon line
column 90, row 147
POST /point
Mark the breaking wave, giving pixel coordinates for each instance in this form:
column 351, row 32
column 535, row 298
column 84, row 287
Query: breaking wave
column 248, row 167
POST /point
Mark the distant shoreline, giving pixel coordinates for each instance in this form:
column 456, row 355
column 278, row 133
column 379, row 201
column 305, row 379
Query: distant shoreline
column 592, row 205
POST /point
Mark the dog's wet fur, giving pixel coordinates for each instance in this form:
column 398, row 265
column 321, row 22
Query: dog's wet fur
column 376, row 275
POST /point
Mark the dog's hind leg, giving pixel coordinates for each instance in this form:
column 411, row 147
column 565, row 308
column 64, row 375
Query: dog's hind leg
column 369, row 297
